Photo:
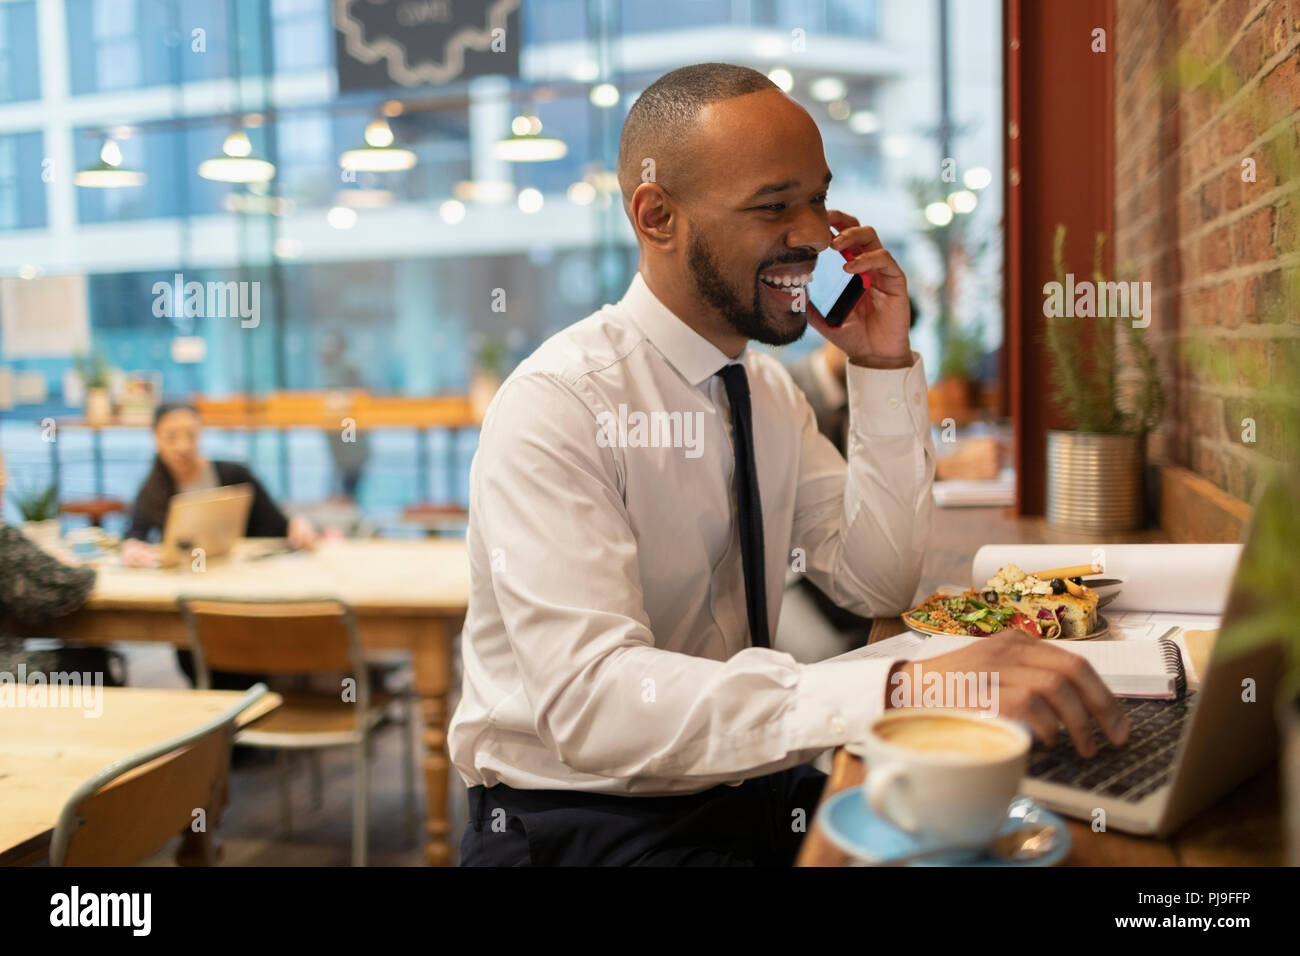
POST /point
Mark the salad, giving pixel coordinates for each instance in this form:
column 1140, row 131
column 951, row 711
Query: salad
column 980, row 615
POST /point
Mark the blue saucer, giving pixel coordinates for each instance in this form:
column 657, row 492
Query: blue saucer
column 849, row 823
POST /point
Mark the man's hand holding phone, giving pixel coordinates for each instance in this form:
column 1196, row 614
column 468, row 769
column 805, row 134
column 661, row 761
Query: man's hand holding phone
column 875, row 332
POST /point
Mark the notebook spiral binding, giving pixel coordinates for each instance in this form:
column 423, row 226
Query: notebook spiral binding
column 1174, row 664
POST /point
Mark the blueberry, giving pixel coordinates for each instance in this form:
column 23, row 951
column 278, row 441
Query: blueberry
column 1058, row 586
column 1078, row 581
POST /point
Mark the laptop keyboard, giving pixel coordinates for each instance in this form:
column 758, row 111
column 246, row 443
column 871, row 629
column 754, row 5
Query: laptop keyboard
column 1140, row 767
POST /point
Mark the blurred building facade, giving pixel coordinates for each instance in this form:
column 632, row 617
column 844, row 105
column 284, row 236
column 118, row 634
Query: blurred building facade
column 405, row 266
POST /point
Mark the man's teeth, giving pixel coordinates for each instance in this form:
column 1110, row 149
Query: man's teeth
column 787, row 282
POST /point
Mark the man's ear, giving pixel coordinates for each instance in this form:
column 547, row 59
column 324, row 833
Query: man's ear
column 654, row 216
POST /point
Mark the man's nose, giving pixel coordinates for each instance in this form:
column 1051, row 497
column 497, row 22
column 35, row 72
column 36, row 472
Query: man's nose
column 810, row 231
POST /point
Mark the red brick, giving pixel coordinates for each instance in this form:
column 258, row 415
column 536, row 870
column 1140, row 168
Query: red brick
column 1209, row 199
column 1215, row 253
column 1279, row 20
column 1248, row 53
column 1190, row 14
column 1252, row 237
column 1188, row 263
column 1262, row 298
column 1230, row 304
column 1230, row 184
column 1282, row 87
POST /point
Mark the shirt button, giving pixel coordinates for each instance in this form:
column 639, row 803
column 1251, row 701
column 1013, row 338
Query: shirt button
column 838, row 726
column 916, row 398
column 892, row 403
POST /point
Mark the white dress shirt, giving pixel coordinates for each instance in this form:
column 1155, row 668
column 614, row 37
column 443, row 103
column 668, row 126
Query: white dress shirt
column 606, row 646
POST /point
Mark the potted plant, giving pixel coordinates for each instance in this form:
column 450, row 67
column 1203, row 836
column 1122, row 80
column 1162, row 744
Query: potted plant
column 40, row 512
column 489, row 370
column 961, row 244
column 95, row 373
column 1095, row 470
column 956, row 394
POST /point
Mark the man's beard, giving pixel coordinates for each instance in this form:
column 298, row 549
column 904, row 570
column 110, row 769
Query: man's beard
column 750, row 320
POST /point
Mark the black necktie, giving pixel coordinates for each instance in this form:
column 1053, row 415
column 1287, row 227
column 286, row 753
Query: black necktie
column 750, row 507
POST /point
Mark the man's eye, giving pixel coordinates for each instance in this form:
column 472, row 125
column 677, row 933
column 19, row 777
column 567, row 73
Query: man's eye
column 773, row 207
column 819, row 200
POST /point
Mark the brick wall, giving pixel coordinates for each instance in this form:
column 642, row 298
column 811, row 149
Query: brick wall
column 1201, row 85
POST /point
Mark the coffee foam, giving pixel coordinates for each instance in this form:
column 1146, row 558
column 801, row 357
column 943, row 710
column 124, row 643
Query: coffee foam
column 943, row 734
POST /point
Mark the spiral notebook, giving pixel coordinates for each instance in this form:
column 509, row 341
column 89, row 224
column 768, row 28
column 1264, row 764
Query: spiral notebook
column 1129, row 668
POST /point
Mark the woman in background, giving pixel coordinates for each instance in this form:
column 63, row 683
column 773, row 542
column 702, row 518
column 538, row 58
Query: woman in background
column 179, row 467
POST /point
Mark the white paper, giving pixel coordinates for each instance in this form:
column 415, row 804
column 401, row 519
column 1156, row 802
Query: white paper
column 1181, row 578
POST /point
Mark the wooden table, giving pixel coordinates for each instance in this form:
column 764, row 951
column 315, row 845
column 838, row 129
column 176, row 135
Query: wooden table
column 409, row 596
column 47, row 752
column 1242, row 829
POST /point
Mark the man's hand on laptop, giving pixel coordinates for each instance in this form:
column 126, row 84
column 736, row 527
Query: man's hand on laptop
column 140, row 554
column 302, row 534
column 1043, row 686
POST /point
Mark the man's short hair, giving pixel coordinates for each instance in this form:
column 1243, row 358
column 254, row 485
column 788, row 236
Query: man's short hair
column 663, row 117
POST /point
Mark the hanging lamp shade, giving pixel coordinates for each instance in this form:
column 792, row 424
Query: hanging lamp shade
column 378, row 155
column 109, row 173
column 236, row 162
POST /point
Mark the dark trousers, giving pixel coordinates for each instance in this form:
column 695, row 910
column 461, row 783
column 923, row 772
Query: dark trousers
column 759, row 823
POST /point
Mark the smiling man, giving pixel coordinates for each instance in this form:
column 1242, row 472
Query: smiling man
column 621, row 702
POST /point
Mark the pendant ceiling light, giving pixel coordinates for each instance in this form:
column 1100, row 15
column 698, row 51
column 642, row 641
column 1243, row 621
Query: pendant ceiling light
column 109, row 173
column 378, row 155
column 237, row 164
column 526, row 144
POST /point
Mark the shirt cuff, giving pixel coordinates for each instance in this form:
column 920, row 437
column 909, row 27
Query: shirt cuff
column 836, row 701
column 889, row 401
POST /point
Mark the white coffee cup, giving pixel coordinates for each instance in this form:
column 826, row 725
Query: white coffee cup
column 948, row 775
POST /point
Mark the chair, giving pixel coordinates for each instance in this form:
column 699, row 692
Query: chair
column 302, row 637
column 133, row 807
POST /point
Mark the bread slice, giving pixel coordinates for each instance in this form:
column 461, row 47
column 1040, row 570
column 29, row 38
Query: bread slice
column 1075, row 609
column 1077, row 615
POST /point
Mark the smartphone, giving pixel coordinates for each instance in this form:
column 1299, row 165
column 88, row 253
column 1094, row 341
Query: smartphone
column 833, row 292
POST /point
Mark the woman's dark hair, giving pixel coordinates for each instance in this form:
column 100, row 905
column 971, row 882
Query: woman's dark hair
column 166, row 408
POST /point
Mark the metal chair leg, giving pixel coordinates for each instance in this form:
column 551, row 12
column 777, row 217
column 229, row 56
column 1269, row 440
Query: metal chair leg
column 407, row 727
column 286, row 802
column 317, row 779
column 360, row 802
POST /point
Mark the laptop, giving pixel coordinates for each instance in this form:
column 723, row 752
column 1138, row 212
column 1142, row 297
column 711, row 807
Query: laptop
column 1182, row 755
column 212, row 520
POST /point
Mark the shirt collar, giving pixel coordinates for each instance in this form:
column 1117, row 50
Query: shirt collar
column 691, row 354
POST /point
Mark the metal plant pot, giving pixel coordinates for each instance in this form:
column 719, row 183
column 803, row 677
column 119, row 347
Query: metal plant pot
column 1094, row 481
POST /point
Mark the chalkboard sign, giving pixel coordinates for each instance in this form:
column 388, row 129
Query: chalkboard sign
column 383, row 43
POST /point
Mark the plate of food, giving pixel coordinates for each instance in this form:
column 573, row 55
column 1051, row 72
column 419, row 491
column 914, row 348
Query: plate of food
column 1054, row 605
